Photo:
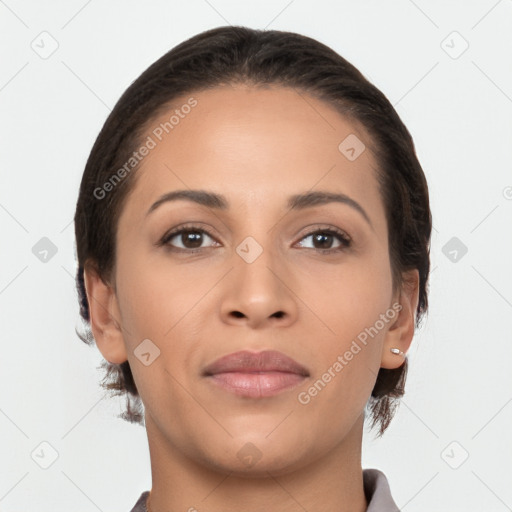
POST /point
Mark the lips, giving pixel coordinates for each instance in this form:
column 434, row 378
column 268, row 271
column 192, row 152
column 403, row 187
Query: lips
column 256, row 375
column 252, row 362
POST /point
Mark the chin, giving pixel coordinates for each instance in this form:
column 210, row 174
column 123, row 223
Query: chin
column 256, row 456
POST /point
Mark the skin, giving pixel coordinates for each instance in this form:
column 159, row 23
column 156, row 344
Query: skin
column 256, row 147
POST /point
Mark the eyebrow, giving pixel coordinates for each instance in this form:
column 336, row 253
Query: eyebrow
column 295, row 202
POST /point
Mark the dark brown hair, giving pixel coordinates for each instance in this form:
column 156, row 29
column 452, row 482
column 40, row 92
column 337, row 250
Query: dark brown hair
column 231, row 55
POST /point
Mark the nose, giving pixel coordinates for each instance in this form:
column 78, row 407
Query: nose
column 259, row 294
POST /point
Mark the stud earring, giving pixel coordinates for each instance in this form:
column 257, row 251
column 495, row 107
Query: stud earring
column 397, row 352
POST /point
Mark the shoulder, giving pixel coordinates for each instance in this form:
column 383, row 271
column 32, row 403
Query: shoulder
column 378, row 493
column 140, row 506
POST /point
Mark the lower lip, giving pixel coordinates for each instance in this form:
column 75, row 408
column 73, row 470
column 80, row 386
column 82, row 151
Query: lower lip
column 257, row 385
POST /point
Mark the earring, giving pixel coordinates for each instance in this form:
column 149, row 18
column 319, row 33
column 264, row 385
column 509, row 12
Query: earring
column 397, row 352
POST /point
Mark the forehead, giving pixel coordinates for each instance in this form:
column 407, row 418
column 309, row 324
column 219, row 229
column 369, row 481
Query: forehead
column 255, row 145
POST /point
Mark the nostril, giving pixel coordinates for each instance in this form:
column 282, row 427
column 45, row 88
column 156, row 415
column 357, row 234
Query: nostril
column 278, row 314
column 237, row 314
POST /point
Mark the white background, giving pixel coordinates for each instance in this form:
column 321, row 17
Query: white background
column 459, row 111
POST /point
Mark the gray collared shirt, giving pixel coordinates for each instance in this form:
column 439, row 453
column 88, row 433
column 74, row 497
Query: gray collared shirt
column 376, row 489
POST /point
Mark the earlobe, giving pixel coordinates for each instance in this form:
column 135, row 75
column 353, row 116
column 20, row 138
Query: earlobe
column 399, row 336
column 104, row 317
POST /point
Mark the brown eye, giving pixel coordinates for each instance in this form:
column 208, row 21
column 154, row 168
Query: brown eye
column 191, row 239
column 188, row 238
column 323, row 240
column 326, row 240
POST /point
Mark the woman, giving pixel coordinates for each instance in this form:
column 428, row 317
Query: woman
column 253, row 231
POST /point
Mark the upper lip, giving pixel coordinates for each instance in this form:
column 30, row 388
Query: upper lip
column 251, row 362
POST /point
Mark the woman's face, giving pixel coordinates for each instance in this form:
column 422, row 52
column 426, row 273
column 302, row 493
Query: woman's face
column 263, row 267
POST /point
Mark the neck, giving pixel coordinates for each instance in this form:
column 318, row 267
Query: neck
column 331, row 483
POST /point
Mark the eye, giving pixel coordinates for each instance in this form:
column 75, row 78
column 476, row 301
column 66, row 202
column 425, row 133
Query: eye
column 329, row 240
column 188, row 238
column 194, row 238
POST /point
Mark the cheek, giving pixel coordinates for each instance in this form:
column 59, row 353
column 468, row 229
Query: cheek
column 351, row 297
column 350, row 303
column 161, row 306
column 347, row 360
column 154, row 297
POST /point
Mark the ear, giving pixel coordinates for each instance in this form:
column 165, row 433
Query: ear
column 401, row 332
column 104, row 317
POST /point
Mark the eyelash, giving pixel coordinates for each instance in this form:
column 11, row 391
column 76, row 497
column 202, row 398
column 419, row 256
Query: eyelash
column 343, row 238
